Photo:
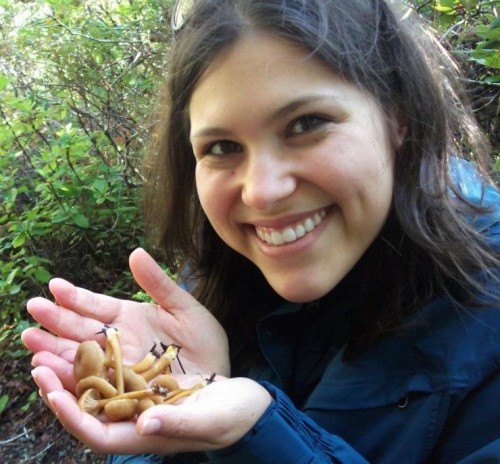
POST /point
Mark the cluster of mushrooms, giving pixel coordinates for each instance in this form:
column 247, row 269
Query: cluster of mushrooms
column 105, row 384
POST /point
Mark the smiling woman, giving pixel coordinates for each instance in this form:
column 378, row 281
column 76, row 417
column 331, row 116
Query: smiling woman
column 312, row 185
column 267, row 171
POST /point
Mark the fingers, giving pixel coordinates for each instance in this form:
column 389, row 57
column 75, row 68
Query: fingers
column 61, row 368
column 154, row 281
column 86, row 303
column 39, row 340
column 65, row 322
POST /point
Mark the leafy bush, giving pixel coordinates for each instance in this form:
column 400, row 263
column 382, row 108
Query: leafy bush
column 471, row 29
column 77, row 80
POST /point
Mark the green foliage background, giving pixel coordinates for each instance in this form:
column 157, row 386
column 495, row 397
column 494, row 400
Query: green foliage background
column 77, row 83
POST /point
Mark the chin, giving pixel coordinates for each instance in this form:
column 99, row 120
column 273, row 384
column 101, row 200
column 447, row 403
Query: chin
column 303, row 293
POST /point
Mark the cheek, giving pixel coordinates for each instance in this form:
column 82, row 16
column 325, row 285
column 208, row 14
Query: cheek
column 214, row 195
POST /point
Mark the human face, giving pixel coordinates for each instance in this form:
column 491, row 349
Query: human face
column 295, row 165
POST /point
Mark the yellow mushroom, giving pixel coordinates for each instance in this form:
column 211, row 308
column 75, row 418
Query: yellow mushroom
column 113, row 356
column 169, row 355
column 166, row 381
column 175, row 395
column 144, row 364
column 105, row 389
column 131, row 380
column 121, row 410
column 89, row 360
column 91, row 401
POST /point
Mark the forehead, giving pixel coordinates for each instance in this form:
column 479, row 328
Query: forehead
column 261, row 73
column 263, row 66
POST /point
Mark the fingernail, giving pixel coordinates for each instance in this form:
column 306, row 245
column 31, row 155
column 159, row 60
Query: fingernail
column 150, row 427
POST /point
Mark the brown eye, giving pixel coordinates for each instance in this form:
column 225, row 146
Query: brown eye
column 306, row 124
column 223, row 147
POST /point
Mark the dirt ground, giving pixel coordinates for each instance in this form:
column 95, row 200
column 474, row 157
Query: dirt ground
column 29, row 432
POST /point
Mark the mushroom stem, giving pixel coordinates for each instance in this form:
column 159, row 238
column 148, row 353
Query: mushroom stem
column 179, row 394
column 176, row 395
column 144, row 364
column 104, row 388
column 133, row 395
column 112, row 335
column 169, row 355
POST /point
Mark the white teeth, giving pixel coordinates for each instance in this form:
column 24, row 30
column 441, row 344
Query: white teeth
column 300, row 231
column 291, row 233
column 309, row 225
column 277, row 238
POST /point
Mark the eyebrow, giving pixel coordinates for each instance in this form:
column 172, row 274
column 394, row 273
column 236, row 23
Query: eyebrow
column 277, row 114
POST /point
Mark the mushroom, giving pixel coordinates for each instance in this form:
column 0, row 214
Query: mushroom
column 144, row 364
column 96, row 390
column 98, row 383
column 166, row 381
column 89, row 360
column 91, row 401
column 131, row 380
column 169, row 355
column 144, row 404
column 113, row 356
column 121, row 410
column 176, row 395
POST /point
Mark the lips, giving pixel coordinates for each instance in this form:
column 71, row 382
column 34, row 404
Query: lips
column 290, row 233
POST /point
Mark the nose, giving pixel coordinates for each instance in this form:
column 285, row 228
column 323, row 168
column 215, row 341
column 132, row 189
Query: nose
column 268, row 178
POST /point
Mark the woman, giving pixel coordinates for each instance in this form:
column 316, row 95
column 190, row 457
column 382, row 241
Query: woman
column 310, row 184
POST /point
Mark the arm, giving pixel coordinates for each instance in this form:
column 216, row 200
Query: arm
column 285, row 435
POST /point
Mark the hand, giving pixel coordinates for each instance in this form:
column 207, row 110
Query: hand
column 212, row 418
column 80, row 315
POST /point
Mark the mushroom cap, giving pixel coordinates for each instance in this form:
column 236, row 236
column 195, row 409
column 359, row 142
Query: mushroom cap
column 98, row 383
column 144, row 404
column 131, row 380
column 166, row 381
column 121, row 410
column 89, row 401
column 89, row 360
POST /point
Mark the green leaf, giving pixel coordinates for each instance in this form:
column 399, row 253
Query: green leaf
column 31, row 399
column 4, row 400
column 14, row 289
column 12, row 276
column 19, row 240
column 487, row 57
column 4, row 81
column 42, row 275
column 100, row 185
column 80, row 220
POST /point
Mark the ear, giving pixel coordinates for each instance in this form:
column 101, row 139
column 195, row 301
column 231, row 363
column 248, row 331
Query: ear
column 398, row 127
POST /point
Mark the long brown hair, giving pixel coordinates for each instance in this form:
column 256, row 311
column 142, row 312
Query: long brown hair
column 427, row 246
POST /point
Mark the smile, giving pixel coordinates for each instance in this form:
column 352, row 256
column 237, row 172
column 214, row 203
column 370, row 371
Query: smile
column 292, row 233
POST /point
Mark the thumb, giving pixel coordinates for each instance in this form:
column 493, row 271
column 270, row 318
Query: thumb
column 155, row 282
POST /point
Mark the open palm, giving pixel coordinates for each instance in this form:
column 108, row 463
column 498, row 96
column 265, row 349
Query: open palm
column 79, row 315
